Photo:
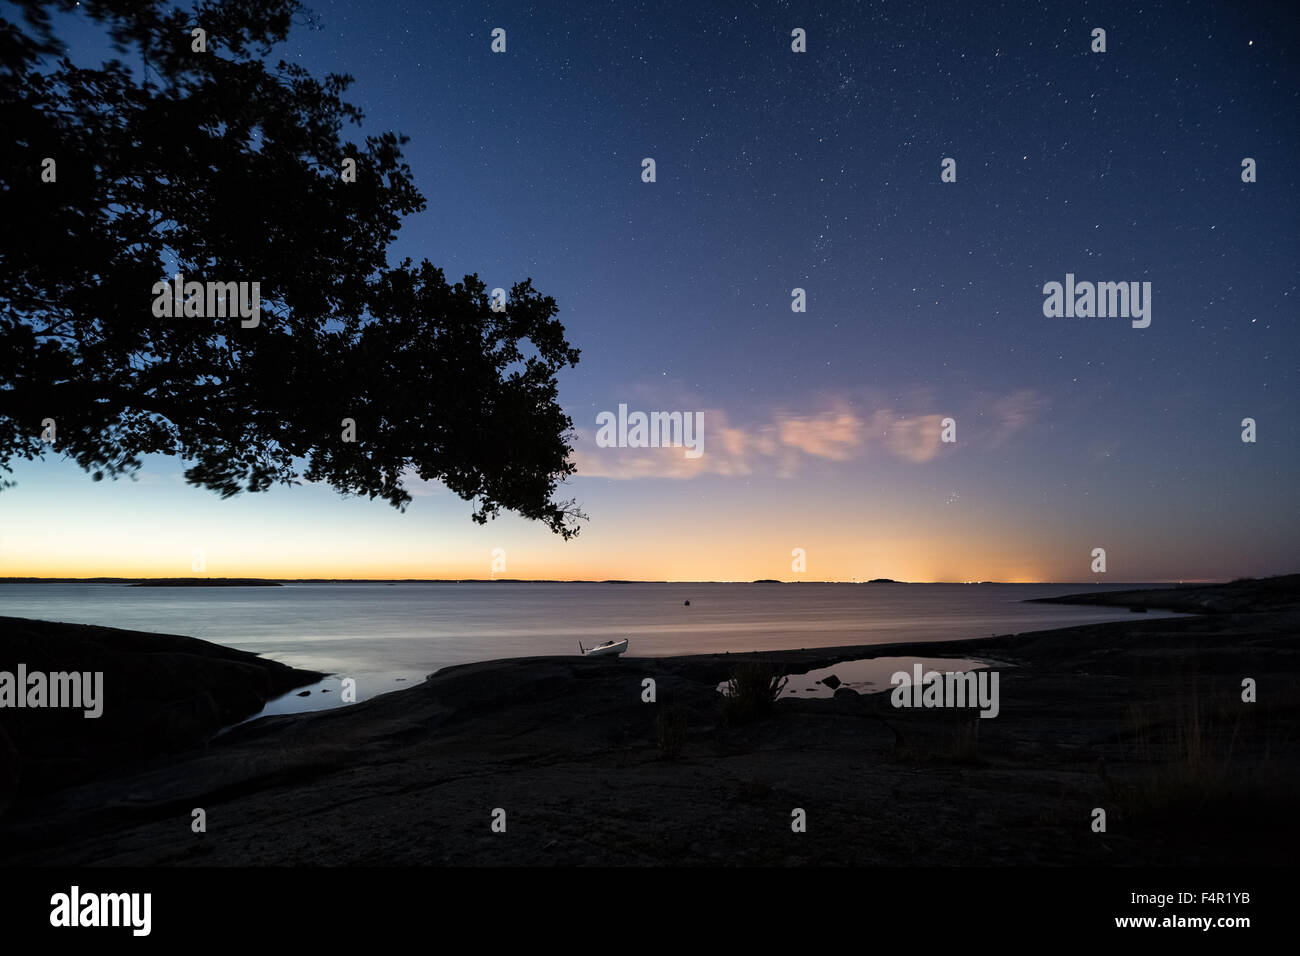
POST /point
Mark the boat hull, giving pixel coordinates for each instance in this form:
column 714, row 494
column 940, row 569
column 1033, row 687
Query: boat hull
column 607, row 650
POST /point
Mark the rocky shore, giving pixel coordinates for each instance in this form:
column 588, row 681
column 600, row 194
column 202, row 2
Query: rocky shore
column 1244, row 596
column 1144, row 719
column 165, row 694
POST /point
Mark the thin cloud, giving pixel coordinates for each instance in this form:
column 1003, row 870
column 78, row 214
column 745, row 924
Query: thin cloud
column 788, row 440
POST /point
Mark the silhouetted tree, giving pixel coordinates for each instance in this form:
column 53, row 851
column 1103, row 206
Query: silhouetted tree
column 219, row 167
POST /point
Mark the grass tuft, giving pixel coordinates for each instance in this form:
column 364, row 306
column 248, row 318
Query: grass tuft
column 753, row 688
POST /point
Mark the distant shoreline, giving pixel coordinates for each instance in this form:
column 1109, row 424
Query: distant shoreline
column 205, row 583
column 254, row 582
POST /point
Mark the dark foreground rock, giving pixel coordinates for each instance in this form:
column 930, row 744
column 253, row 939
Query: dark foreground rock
column 1142, row 718
column 161, row 694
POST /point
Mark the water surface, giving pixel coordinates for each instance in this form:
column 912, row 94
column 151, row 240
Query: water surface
column 385, row 636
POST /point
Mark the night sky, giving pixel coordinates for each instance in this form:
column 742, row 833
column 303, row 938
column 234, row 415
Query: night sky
column 821, row 170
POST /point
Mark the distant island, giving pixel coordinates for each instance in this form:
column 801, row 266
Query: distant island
column 884, row 581
column 206, row 583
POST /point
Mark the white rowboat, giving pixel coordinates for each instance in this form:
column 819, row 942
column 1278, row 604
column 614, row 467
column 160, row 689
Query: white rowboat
column 609, row 648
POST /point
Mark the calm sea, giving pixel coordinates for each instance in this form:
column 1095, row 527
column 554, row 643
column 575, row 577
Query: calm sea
column 387, row 634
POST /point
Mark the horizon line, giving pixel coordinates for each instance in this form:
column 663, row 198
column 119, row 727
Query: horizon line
column 102, row 579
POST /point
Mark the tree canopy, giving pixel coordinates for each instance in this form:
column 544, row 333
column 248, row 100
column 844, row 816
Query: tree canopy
column 223, row 168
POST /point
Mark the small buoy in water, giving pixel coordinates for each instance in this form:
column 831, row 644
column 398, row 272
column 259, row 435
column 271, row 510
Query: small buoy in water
column 688, row 604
